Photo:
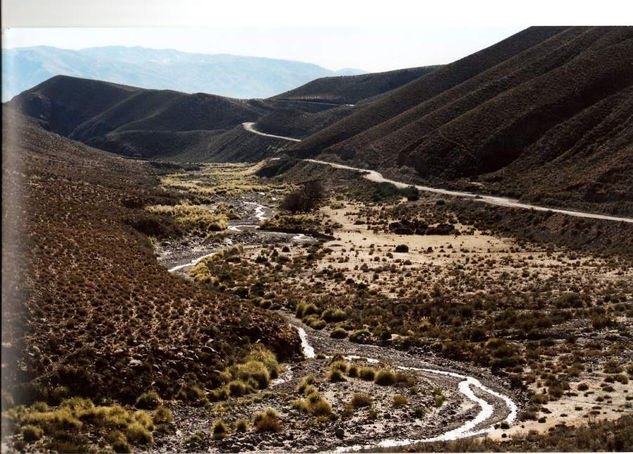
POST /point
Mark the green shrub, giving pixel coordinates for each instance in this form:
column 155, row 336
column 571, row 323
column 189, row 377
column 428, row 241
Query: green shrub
column 314, row 322
column 148, row 400
column 385, row 377
column 360, row 400
column 219, row 430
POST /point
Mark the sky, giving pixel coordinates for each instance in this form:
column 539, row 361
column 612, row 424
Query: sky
column 372, row 35
column 333, row 48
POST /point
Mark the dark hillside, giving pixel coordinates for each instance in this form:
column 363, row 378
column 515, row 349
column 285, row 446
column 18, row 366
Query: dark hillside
column 351, row 89
column 132, row 121
column 550, row 123
column 424, row 88
column 85, row 303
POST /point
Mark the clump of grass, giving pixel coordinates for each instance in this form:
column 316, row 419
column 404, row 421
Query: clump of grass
column 267, row 421
column 31, row 433
column 162, row 415
column 360, row 336
column 353, row 371
column 318, row 406
column 119, row 443
column 438, row 397
column 339, row 365
column 335, row 375
column 136, row 433
column 385, row 377
column 219, row 430
column 255, row 370
column 241, row 425
column 265, row 356
column 238, row 388
column 193, row 394
column 299, row 404
column 306, row 382
column 399, row 400
column 193, row 218
column 314, row 322
column 338, row 333
column 148, row 401
column 360, row 400
column 333, row 315
column 303, row 310
column 367, row 373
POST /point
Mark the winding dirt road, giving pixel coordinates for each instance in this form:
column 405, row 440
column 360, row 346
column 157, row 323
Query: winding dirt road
column 250, row 128
column 377, row 177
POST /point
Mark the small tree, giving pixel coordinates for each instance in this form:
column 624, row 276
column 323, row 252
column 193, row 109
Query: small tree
column 305, row 199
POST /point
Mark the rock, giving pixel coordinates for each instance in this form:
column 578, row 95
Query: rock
column 135, row 363
column 339, row 432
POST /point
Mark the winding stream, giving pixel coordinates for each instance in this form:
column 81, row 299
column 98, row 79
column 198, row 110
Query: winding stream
column 466, row 386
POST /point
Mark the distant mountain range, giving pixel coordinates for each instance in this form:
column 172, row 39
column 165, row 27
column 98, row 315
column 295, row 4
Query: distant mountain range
column 221, row 74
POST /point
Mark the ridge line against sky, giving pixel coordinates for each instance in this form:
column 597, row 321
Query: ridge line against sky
column 334, row 49
column 335, row 34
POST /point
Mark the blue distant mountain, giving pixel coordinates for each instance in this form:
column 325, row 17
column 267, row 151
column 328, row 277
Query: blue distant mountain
column 222, row 74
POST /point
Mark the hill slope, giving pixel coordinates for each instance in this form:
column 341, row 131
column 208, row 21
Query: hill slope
column 84, row 298
column 351, row 89
column 548, row 105
column 225, row 75
column 129, row 120
column 159, row 124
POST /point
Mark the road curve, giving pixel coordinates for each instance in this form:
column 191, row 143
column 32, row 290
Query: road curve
column 377, row 177
column 249, row 126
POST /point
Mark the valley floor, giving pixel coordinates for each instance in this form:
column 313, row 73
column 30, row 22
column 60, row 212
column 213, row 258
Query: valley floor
column 418, row 327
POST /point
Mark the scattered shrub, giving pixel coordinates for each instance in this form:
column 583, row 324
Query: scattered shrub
column 399, row 400
column 219, row 430
column 31, row 433
column 385, row 377
column 148, row 401
column 338, row 333
column 162, row 415
column 267, row 421
column 335, row 375
column 367, row 373
column 136, row 433
column 334, row 315
column 360, row 400
column 241, row 425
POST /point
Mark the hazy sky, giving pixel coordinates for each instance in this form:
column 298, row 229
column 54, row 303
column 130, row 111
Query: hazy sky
column 334, row 48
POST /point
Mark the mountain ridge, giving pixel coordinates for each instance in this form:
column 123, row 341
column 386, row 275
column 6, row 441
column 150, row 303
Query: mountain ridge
column 222, row 74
